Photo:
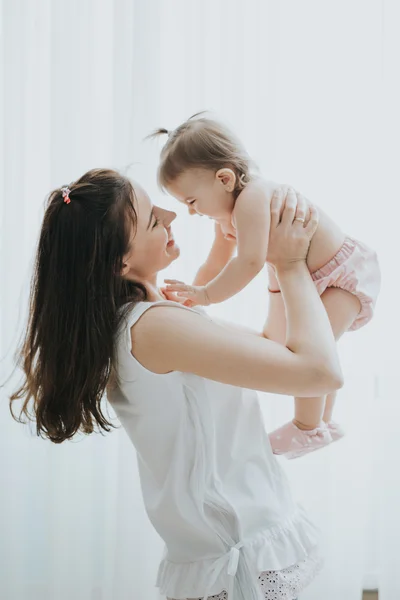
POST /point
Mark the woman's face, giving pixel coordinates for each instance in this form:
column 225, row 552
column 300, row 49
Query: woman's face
column 152, row 247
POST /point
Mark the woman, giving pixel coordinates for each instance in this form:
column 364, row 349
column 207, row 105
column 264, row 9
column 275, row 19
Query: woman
column 180, row 382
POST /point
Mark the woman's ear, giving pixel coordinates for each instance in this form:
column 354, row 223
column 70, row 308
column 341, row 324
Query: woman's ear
column 125, row 268
column 228, row 179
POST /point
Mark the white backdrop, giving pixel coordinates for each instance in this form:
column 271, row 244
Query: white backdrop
column 313, row 89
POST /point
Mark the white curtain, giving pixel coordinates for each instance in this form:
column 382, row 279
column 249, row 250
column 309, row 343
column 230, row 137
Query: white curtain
column 313, row 90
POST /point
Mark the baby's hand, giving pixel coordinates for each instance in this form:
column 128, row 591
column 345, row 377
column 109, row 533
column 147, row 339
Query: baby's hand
column 196, row 294
column 172, row 296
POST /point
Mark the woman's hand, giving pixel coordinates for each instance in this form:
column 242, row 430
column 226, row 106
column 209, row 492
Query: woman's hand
column 290, row 232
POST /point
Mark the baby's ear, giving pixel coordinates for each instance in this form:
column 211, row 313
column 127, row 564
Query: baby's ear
column 227, row 177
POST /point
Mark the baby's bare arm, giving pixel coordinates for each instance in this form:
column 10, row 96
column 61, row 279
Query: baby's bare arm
column 221, row 252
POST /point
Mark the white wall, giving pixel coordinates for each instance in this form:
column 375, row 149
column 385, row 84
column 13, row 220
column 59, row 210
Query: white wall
column 313, row 89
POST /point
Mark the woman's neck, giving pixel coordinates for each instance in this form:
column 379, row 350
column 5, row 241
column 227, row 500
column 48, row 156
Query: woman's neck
column 154, row 292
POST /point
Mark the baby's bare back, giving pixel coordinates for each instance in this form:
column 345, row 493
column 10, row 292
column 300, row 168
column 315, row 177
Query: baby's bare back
column 326, row 241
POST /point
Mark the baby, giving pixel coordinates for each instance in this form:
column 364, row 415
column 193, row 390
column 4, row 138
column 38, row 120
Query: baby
column 206, row 168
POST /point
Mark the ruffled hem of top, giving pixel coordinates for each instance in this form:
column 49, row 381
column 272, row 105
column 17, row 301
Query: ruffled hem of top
column 273, row 549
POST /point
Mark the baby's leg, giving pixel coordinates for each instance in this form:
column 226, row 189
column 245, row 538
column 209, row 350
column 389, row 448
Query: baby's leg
column 329, row 405
column 308, row 413
column 342, row 309
column 275, row 325
column 289, row 440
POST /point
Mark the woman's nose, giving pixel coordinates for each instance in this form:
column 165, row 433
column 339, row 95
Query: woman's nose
column 169, row 217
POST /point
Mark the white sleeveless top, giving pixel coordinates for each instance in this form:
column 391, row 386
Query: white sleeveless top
column 212, row 488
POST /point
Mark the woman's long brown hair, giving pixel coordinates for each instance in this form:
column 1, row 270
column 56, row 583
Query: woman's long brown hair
column 75, row 306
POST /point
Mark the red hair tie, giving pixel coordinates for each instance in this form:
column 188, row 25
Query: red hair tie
column 65, row 194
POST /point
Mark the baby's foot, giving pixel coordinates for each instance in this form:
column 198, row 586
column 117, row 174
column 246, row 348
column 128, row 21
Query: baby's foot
column 292, row 442
column 336, row 431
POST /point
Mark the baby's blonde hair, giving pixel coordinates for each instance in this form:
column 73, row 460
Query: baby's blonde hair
column 202, row 143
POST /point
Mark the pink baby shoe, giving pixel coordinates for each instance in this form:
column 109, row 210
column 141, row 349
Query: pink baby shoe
column 336, row 431
column 292, row 442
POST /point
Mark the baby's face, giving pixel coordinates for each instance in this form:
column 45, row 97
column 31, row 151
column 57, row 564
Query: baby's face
column 203, row 193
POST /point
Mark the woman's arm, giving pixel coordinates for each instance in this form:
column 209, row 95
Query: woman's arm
column 236, row 327
column 168, row 339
